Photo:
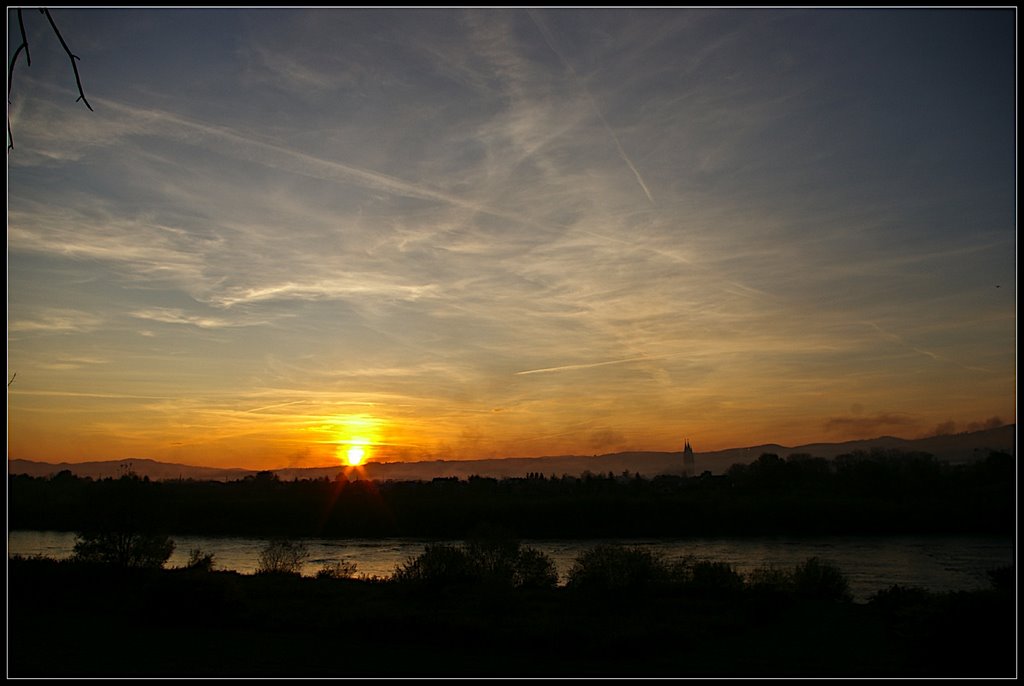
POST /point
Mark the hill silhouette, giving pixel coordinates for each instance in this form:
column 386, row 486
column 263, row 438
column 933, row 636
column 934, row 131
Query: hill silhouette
column 955, row 449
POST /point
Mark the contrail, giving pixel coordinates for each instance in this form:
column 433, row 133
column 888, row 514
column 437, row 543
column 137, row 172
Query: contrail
column 268, row 154
column 568, row 367
column 926, row 353
column 270, row 407
column 622, row 153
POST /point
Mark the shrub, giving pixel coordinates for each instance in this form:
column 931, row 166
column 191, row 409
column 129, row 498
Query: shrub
column 715, row 577
column 823, row 580
column 606, row 567
column 898, row 597
column 282, row 556
column 200, row 561
column 343, row 569
column 494, row 558
column 769, row 580
column 1003, row 579
column 491, row 563
column 123, row 549
column 534, row 569
column 437, row 564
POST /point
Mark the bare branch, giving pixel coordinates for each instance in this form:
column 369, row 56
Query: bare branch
column 73, row 57
column 24, row 38
column 10, row 70
column 24, row 46
column 10, row 75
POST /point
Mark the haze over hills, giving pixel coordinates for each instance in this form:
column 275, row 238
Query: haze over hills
column 954, row 449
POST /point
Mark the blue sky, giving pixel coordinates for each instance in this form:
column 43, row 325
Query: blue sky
column 457, row 233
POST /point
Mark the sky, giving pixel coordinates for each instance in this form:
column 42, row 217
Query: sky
column 462, row 233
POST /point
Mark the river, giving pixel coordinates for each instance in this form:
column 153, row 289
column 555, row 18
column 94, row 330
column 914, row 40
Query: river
column 936, row 563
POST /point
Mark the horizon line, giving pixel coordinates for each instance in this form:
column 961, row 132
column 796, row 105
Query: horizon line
column 498, row 459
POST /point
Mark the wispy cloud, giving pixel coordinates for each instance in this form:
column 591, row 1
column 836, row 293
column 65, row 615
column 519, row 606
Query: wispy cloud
column 52, row 320
column 611, row 133
column 177, row 316
column 428, row 215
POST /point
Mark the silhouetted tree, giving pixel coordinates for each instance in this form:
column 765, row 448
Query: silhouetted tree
column 200, row 561
column 123, row 549
column 438, row 564
column 282, row 556
column 714, row 577
column 609, row 567
column 123, row 527
column 343, row 569
column 485, row 560
column 816, row 578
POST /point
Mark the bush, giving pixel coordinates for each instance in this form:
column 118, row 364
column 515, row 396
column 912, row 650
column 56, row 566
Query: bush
column 199, row 561
column 493, row 556
column 282, row 556
column 123, row 549
column 343, row 569
column 606, row 567
column 898, row 598
column 822, row 580
column 534, row 569
column 714, row 577
column 438, row 564
column 1003, row 579
column 765, row 580
column 495, row 563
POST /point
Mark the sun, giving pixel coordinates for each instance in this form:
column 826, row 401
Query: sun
column 355, row 455
column 354, row 439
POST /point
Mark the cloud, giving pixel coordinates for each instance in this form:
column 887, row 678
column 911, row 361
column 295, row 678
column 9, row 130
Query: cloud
column 55, row 320
column 990, row 423
column 603, row 439
column 549, row 39
column 950, row 427
column 434, row 214
column 944, row 429
column 68, row 362
column 350, row 286
column 167, row 315
column 869, row 425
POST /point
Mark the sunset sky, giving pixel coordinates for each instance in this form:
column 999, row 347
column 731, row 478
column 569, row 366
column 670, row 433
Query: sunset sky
column 458, row 233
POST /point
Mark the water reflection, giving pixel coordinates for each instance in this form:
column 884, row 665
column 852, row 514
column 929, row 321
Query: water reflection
column 941, row 563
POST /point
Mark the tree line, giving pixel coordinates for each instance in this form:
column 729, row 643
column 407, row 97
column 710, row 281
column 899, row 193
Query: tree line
column 877, row 492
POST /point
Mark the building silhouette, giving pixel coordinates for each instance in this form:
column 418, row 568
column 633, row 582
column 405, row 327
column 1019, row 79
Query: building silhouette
column 688, row 468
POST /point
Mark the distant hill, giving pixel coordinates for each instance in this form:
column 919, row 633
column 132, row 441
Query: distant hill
column 115, row 468
column 954, row 449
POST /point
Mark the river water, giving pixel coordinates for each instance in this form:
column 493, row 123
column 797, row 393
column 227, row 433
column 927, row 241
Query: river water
column 937, row 563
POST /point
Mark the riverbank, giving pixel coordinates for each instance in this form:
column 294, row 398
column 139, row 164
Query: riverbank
column 937, row 563
column 74, row 620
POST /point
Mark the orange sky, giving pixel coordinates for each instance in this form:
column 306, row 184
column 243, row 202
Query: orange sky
column 488, row 233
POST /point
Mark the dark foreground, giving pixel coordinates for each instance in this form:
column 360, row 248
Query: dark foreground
column 78, row 620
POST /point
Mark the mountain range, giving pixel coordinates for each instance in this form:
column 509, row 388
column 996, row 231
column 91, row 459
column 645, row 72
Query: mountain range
column 954, row 449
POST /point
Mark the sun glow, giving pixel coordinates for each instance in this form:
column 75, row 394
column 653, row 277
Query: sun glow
column 353, row 438
column 355, row 455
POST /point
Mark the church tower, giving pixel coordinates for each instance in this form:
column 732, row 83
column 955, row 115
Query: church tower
column 688, row 468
